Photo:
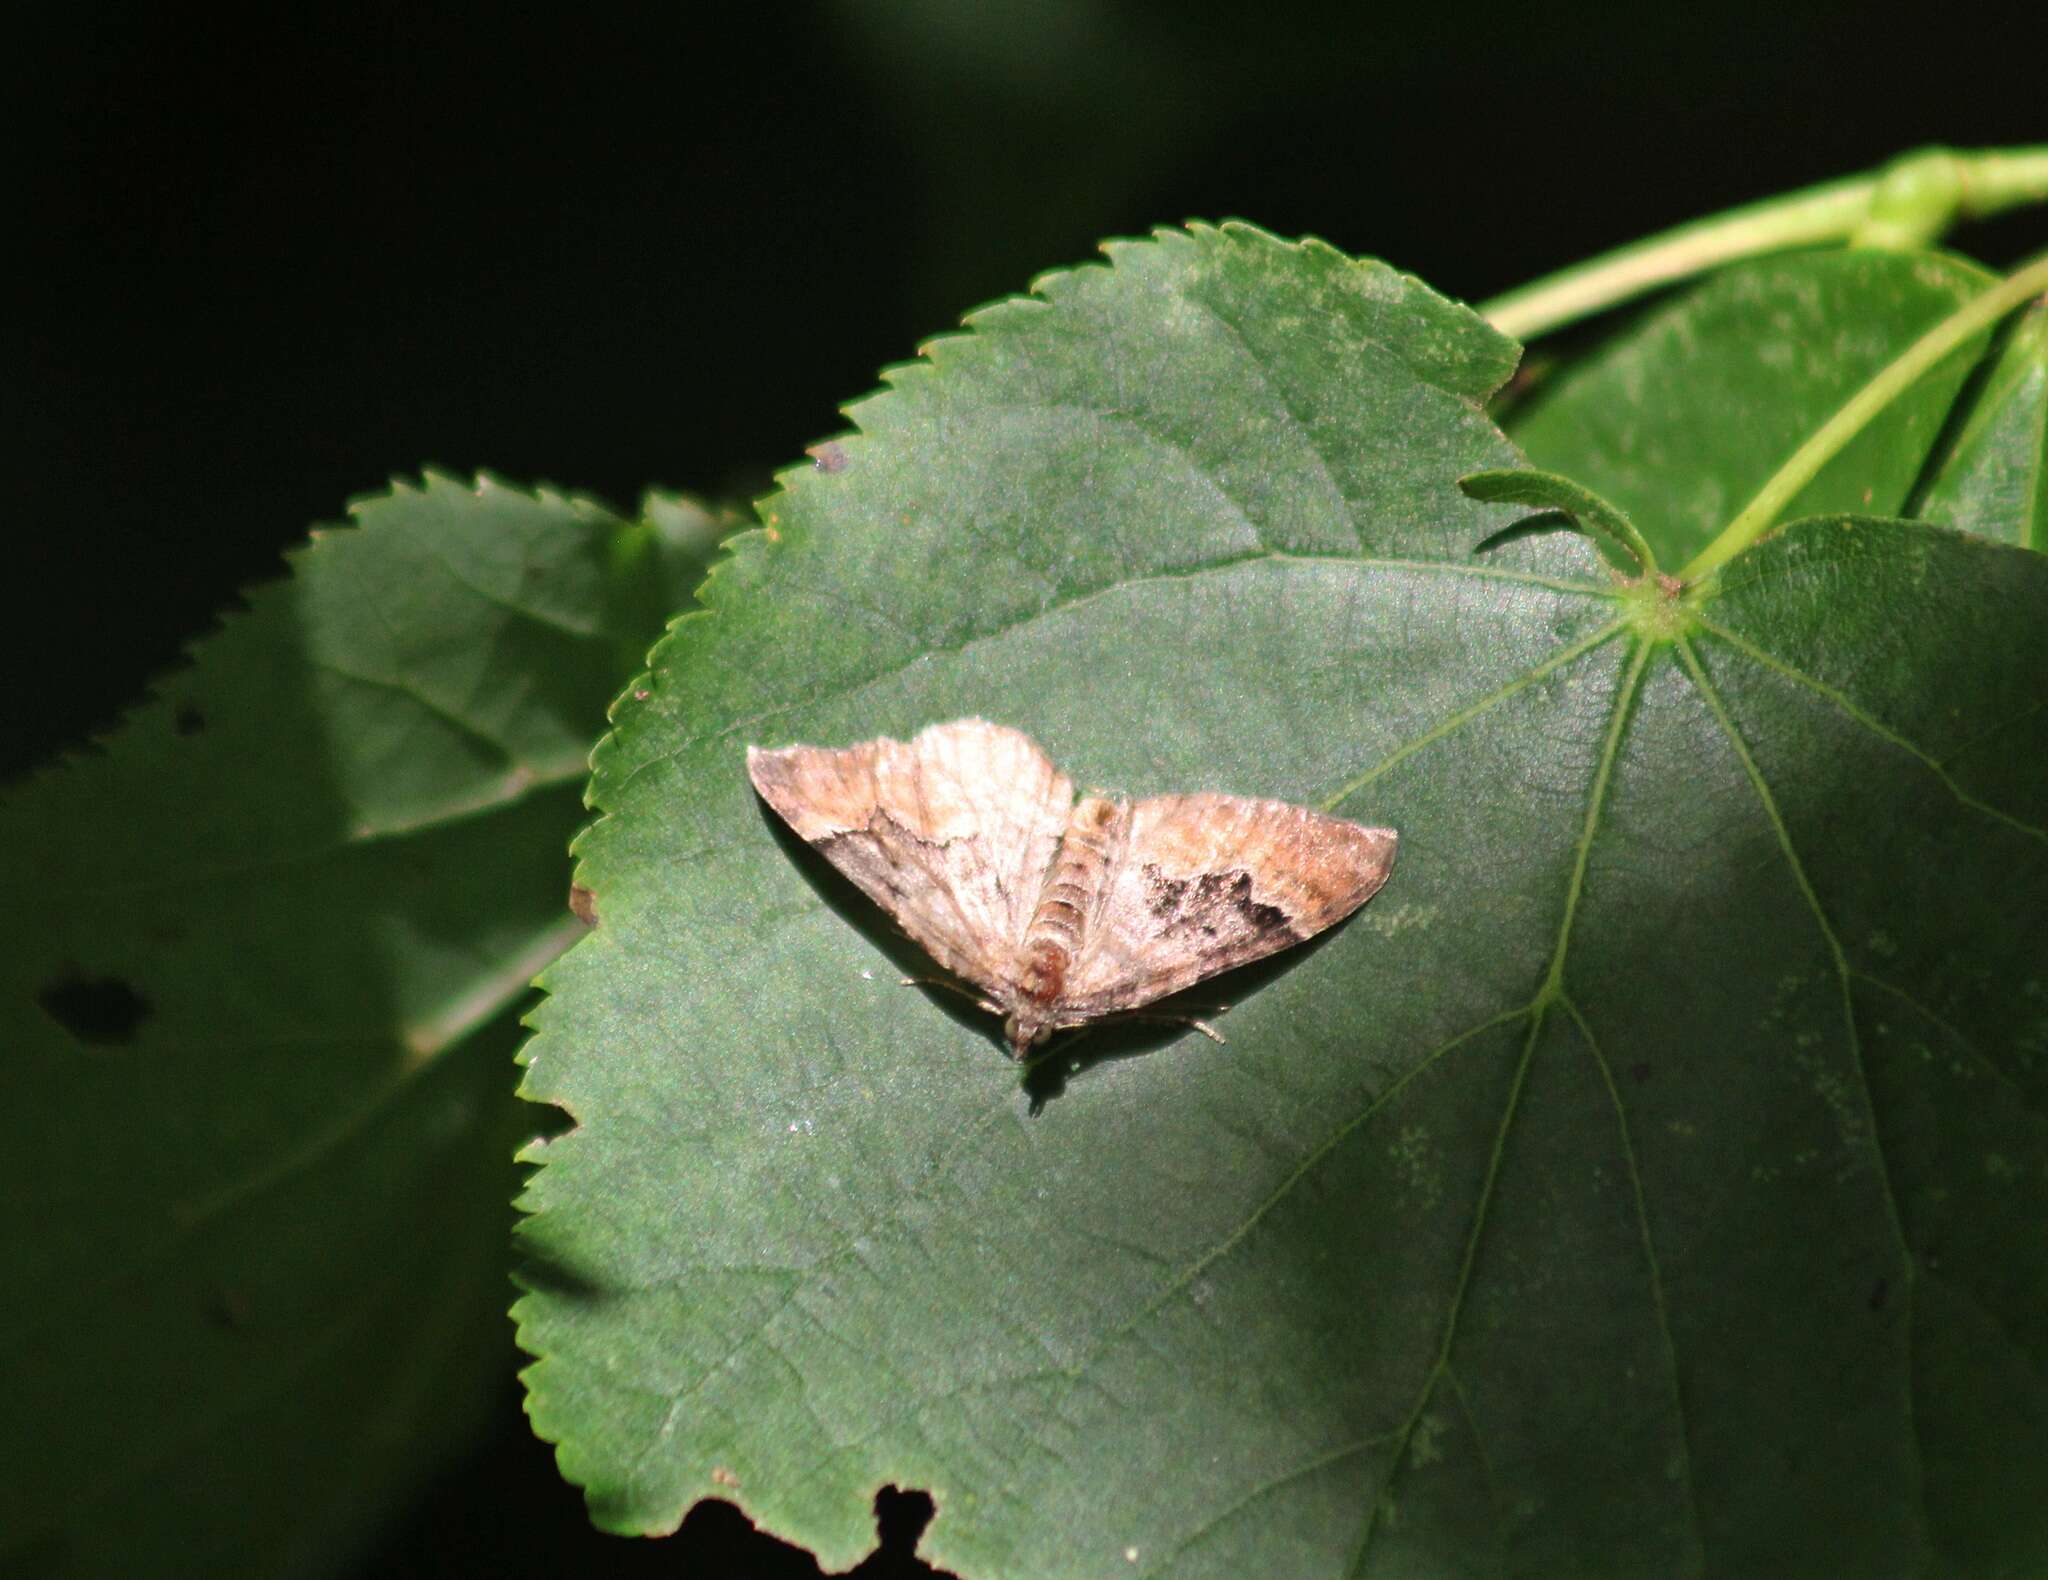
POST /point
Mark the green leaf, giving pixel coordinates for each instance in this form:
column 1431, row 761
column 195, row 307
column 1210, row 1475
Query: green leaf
column 1614, row 1194
column 261, row 954
column 1992, row 476
column 1685, row 414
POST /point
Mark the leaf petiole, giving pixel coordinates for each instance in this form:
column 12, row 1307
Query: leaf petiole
column 1909, row 202
column 1547, row 491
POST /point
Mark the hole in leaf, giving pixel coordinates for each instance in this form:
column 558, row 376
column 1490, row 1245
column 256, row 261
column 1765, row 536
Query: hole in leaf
column 900, row 1519
column 719, row 1535
column 188, row 720
column 103, row 1012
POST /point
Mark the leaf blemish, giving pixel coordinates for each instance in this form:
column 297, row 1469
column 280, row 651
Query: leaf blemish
column 188, row 720
column 1397, row 919
column 583, row 901
column 1418, row 1164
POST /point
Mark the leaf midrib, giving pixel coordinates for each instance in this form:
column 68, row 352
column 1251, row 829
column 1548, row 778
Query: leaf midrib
column 1547, row 994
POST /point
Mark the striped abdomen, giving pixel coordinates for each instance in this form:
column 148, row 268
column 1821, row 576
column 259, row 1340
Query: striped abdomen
column 1053, row 936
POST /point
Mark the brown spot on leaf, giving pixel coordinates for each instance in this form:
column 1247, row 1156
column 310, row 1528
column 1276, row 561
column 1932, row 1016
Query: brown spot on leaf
column 724, row 1477
column 1640, row 1069
column 1880, row 1292
column 100, row 1012
column 187, row 720
column 583, row 902
column 830, row 456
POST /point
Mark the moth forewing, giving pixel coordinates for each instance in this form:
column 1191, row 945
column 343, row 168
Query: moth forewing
column 1207, row 883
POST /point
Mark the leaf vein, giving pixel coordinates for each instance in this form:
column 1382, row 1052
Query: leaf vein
column 1229, row 1242
column 1260, row 1493
column 1548, row 993
column 1968, row 1044
column 447, row 715
column 519, row 611
column 1486, row 1471
column 1657, row 1299
column 1711, row 696
column 1472, row 710
column 1294, row 418
column 1850, row 710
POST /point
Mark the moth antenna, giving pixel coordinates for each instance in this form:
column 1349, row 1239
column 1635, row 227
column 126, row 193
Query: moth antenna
column 951, row 987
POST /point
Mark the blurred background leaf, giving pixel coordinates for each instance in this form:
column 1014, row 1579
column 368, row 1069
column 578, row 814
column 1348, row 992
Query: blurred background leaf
column 261, row 955
column 1990, row 475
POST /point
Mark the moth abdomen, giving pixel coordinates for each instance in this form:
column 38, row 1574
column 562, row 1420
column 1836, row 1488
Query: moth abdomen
column 1074, row 882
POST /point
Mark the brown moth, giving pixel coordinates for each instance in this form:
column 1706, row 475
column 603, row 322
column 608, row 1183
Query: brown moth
column 1062, row 911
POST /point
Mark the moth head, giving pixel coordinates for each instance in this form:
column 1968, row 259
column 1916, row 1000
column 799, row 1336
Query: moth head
column 1024, row 1035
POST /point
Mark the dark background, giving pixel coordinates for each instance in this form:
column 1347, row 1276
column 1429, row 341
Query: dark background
column 271, row 261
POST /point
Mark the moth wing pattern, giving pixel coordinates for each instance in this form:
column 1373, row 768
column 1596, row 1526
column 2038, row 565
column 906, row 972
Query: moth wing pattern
column 1204, row 883
column 950, row 832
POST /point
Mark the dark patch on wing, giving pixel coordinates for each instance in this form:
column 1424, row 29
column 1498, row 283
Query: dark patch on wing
column 1204, row 903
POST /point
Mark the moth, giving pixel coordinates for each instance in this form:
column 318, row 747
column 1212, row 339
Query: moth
column 1061, row 912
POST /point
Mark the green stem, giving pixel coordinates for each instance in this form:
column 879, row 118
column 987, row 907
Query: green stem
column 1912, row 364
column 1908, row 203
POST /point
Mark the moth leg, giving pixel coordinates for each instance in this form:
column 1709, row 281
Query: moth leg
column 1201, row 1026
column 952, row 987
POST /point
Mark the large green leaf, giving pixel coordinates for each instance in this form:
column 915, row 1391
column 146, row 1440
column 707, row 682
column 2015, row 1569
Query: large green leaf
column 1992, row 475
column 1684, row 415
column 1648, row 1179
column 258, row 959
